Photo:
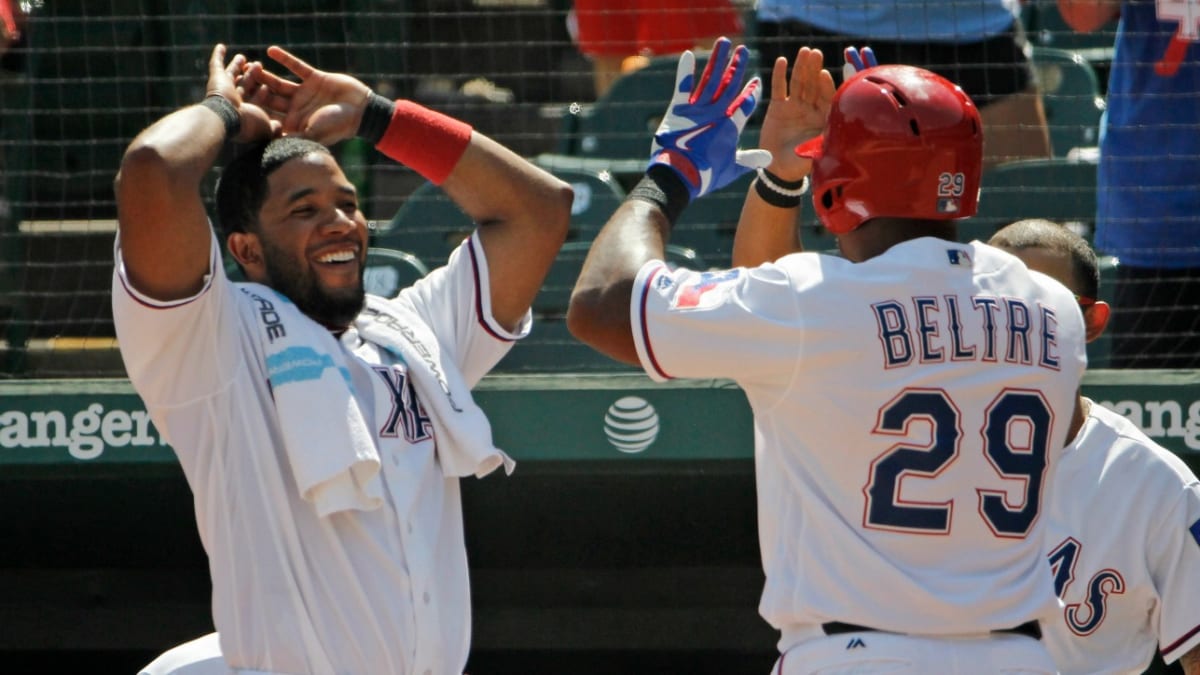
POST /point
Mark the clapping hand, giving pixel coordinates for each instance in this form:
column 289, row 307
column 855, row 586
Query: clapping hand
column 796, row 112
column 324, row 107
column 226, row 80
column 698, row 137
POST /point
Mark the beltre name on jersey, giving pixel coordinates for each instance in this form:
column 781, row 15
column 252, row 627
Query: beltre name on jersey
column 987, row 329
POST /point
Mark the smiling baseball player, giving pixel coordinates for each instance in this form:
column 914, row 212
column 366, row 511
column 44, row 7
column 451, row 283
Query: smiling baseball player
column 323, row 431
column 1124, row 512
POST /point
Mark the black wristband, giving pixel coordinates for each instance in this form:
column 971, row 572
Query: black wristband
column 663, row 187
column 783, row 194
column 797, row 185
column 377, row 115
column 227, row 112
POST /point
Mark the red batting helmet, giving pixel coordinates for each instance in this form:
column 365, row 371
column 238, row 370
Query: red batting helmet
column 900, row 142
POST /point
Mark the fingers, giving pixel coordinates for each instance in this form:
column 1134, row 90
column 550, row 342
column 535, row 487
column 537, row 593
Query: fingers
column 216, row 62
column 275, row 83
column 809, row 64
column 779, row 83
column 868, row 55
column 753, row 159
column 857, row 61
column 825, row 91
column 290, row 61
column 708, row 87
column 684, row 72
column 732, row 78
column 853, row 58
column 236, row 65
column 274, row 104
column 743, row 106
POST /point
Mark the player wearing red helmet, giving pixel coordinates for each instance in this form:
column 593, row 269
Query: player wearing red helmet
column 911, row 397
column 900, row 142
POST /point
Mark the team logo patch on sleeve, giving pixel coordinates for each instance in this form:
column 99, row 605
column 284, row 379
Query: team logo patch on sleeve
column 1195, row 530
column 704, row 290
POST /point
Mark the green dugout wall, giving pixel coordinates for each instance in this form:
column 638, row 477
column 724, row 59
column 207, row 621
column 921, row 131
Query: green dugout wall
column 628, row 527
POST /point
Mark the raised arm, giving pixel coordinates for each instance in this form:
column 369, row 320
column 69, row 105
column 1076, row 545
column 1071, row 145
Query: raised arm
column 767, row 229
column 523, row 211
column 164, row 230
column 694, row 152
column 1086, row 16
column 1190, row 662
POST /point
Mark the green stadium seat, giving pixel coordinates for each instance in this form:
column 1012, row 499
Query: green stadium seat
column 621, row 124
column 431, row 226
column 1045, row 27
column 1058, row 189
column 560, row 280
column 708, row 224
column 94, row 80
column 388, row 271
column 549, row 346
column 1071, row 95
column 15, row 162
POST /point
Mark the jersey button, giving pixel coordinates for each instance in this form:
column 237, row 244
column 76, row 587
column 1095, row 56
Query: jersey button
column 426, row 597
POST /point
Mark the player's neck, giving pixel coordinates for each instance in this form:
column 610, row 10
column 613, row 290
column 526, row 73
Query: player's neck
column 876, row 236
column 1082, row 408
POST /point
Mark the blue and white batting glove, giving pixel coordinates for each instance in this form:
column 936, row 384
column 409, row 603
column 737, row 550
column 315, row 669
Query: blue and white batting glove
column 698, row 138
column 857, row 61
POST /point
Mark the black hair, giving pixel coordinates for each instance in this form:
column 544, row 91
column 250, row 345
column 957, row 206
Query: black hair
column 242, row 187
column 1056, row 237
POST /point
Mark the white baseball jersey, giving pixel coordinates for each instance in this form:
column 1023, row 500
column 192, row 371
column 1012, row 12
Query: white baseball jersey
column 907, row 412
column 1124, row 526
column 201, row 656
column 370, row 591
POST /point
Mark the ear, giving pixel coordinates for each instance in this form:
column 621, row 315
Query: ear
column 245, row 249
column 1095, row 319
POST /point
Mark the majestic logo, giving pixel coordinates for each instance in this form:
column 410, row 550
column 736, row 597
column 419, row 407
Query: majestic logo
column 856, row 643
column 419, row 349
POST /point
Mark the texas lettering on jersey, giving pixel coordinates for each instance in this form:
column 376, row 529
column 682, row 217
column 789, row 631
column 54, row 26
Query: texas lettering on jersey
column 407, row 413
column 930, row 329
column 1084, row 617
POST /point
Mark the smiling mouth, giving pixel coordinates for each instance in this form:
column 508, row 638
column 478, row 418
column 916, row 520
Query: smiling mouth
column 338, row 257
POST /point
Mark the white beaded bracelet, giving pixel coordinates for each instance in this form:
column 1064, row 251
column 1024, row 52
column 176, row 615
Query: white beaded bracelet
column 785, row 197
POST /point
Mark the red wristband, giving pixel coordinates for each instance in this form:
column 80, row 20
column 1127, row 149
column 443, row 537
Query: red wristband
column 426, row 141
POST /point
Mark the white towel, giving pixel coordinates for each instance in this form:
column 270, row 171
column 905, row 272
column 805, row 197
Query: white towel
column 329, row 446
column 461, row 429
